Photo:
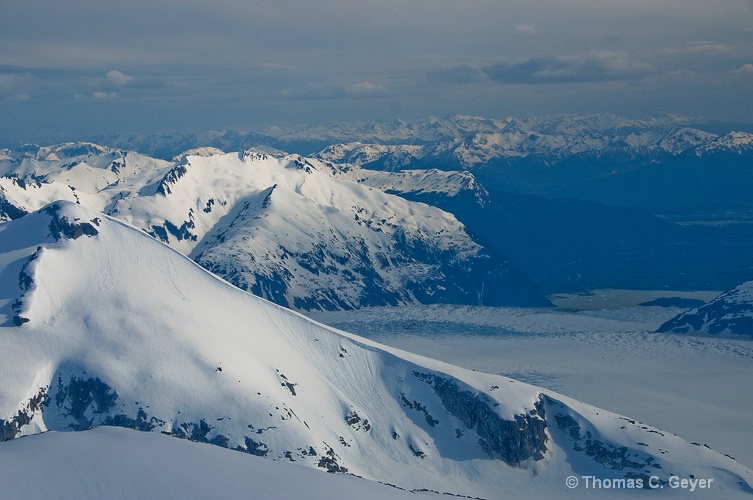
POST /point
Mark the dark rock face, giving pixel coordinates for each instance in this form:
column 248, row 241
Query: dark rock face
column 256, row 448
column 25, row 284
column 512, row 441
column 171, row 178
column 731, row 312
column 9, row 211
column 74, row 398
column 142, row 422
column 180, row 233
column 329, row 462
column 9, row 428
column 634, row 465
column 61, row 227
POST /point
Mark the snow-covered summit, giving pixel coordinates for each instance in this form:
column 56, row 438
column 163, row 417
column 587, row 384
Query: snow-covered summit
column 102, row 325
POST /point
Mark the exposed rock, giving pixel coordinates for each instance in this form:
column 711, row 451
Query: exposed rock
column 512, row 441
column 61, row 228
column 329, row 462
column 80, row 397
column 9, row 428
column 8, row 211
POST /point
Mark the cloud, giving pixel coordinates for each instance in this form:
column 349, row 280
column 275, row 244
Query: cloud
column 331, row 90
column 457, row 75
column 593, row 67
column 525, row 29
column 104, row 95
column 365, row 88
column 115, row 77
column 745, row 69
column 16, row 83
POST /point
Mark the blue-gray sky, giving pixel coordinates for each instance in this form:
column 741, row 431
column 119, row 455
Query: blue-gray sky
column 84, row 66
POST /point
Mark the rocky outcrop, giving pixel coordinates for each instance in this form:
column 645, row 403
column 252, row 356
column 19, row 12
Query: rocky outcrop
column 512, row 441
column 10, row 428
column 61, row 227
column 8, row 211
column 631, row 463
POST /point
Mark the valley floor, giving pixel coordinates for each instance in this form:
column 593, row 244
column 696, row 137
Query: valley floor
column 695, row 387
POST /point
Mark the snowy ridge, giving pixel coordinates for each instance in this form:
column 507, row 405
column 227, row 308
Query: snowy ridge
column 736, row 142
column 730, row 313
column 102, row 325
column 291, row 229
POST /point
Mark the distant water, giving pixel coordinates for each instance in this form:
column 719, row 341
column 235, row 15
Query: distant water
column 617, row 299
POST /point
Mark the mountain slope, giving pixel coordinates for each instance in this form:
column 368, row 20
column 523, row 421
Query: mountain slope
column 102, row 325
column 287, row 228
column 730, row 313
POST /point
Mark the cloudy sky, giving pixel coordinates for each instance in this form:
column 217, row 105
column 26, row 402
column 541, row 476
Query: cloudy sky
column 87, row 66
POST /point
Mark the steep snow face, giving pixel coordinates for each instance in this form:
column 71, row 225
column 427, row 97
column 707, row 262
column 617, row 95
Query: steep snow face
column 730, row 313
column 102, row 325
column 294, row 230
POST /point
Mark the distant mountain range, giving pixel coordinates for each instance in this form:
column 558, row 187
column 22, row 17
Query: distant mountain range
column 104, row 326
column 472, row 141
column 668, row 164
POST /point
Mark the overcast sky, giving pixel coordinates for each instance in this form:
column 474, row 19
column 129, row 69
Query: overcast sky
column 83, row 66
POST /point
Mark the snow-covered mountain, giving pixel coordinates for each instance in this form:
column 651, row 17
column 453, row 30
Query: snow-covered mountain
column 605, row 158
column 470, row 142
column 730, row 313
column 102, row 325
column 291, row 229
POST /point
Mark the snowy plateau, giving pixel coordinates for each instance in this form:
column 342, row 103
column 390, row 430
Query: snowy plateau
column 223, row 325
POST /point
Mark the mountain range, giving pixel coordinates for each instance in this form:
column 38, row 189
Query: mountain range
column 102, row 324
column 667, row 164
column 314, row 234
column 291, row 229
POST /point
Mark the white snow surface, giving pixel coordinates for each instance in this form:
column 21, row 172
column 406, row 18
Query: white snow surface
column 116, row 463
column 122, row 327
